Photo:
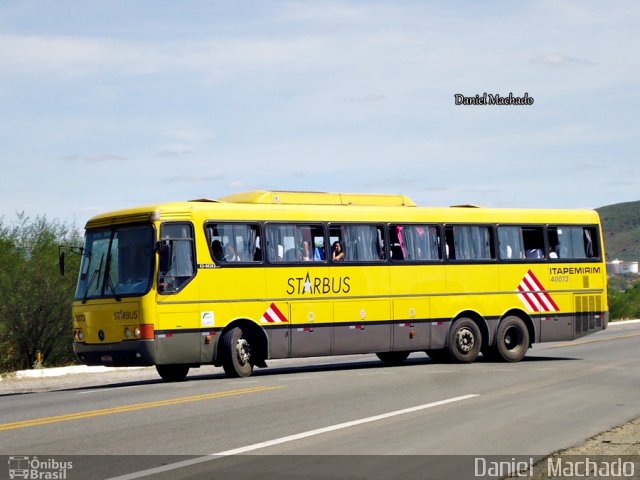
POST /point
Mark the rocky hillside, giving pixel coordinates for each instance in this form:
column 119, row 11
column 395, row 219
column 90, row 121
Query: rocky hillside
column 621, row 224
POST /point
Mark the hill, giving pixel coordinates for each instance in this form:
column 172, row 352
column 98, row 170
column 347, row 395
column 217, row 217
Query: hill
column 621, row 224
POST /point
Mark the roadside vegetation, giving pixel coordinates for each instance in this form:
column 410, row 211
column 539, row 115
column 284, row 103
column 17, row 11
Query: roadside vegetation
column 35, row 300
column 624, row 296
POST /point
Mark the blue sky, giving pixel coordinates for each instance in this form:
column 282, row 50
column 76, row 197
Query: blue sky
column 107, row 104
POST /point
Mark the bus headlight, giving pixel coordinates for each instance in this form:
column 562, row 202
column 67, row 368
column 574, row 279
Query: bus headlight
column 78, row 336
column 136, row 332
column 127, row 332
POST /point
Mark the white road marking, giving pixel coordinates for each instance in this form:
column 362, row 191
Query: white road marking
column 289, row 438
column 106, row 390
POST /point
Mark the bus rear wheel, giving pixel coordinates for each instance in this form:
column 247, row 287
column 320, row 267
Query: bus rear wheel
column 393, row 358
column 512, row 340
column 172, row 373
column 236, row 352
column 465, row 340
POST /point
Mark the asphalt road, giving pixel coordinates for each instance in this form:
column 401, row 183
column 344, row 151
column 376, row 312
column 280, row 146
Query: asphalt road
column 338, row 407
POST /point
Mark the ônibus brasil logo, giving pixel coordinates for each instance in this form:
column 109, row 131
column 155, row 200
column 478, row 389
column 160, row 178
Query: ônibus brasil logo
column 41, row 469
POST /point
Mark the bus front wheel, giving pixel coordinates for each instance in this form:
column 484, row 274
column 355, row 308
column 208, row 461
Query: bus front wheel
column 172, row 373
column 512, row 340
column 237, row 358
column 465, row 340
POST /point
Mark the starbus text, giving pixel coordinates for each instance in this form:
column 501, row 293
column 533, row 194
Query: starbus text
column 318, row 285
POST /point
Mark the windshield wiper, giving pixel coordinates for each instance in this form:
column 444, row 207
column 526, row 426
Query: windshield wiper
column 107, row 273
column 112, row 287
column 93, row 277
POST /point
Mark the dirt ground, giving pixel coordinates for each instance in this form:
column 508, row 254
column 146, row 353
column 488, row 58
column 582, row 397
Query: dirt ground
column 623, row 440
column 618, row 445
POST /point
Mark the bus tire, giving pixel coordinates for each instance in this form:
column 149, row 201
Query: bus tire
column 172, row 373
column 393, row 358
column 465, row 340
column 512, row 340
column 236, row 353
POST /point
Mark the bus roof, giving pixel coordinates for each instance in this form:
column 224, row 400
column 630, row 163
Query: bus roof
column 315, row 206
column 318, row 198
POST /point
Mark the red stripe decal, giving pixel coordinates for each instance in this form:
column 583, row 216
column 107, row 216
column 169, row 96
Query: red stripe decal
column 277, row 311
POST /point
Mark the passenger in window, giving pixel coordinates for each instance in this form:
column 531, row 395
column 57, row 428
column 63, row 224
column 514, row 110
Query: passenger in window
column 216, row 248
column 552, row 252
column 534, row 253
column 306, row 255
column 337, row 253
column 231, row 255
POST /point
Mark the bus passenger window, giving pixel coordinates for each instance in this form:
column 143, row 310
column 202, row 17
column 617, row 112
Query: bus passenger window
column 574, row 242
column 553, row 250
column 293, row 243
column 533, row 241
column 470, row 242
column 360, row 243
column 414, row 242
column 234, row 242
column 510, row 243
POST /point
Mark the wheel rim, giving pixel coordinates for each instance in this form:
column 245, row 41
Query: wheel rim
column 243, row 351
column 465, row 340
column 513, row 339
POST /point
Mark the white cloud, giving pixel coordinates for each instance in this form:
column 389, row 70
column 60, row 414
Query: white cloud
column 97, row 158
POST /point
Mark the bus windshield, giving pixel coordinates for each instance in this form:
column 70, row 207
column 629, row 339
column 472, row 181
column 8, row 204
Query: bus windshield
column 116, row 262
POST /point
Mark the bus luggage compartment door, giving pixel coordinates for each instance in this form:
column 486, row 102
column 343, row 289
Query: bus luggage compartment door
column 311, row 328
column 411, row 328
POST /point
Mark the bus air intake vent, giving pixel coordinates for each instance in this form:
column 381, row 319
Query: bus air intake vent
column 589, row 315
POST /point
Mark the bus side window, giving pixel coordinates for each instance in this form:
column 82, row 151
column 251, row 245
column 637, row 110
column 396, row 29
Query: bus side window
column 574, row 242
column 591, row 242
column 533, row 242
column 471, row 242
column 510, row 242
column 292, row 243
column 360, row 242
column 553, row 250
column 449, row 245
column 414, row 243
column 234, row 242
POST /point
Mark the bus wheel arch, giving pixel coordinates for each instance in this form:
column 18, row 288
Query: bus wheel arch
column 242, row 345
column 466, row 336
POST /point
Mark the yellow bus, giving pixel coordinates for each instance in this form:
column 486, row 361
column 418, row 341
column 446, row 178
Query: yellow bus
column 265, row 274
